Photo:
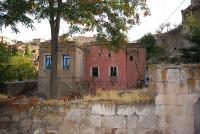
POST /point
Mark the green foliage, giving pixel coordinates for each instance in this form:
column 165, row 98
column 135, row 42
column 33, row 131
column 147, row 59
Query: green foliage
column 20, row 67
column 153, row 51
column 13, row 12
column 191, row 53
column 110, row 18
column 28, row 51
column 15, row 66
column 4, row 53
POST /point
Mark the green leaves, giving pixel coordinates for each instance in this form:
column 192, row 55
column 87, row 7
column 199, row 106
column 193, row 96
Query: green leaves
column 191, row 53
column 15, row 66
column 13, row 12
column 153, row 51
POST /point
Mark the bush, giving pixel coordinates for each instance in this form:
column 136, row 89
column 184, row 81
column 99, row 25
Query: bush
column 20, row 67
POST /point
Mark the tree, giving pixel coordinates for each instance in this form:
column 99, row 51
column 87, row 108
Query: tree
column 28, row 51
column 110, row 18
column 4, row 53
column 15, row 66
column 153, row 51
column 191, row 53
column 13, row 12
column 20, row 67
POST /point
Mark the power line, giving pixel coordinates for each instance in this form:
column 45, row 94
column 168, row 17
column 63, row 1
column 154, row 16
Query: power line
column 174, row 11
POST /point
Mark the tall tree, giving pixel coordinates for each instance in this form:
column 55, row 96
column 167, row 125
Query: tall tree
column 191, row 53
column 153, row 50
column 110, row 18
column 28, row 51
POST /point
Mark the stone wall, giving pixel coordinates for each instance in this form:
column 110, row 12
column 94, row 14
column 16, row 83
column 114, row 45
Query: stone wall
column 82, row 118
column 177, row 89
column 18, row 88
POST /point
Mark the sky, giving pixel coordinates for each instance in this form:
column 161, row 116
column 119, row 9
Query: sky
column 160, row 11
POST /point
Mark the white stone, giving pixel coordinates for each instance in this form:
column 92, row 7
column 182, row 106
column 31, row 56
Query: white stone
column 103, row 109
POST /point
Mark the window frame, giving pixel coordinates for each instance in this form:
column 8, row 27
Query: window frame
column 67, row 58
column 110, row 74
column 45, row 61
column 98, row 74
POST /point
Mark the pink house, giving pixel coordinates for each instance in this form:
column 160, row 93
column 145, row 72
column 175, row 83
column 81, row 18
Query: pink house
column 108, row 69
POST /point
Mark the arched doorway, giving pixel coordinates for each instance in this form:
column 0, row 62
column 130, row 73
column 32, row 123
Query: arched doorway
column 197, row 117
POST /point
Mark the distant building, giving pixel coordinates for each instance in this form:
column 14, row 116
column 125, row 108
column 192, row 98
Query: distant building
column 108, row 69
column 38, row 41
column 70, row 67
column 6, row 40
column 91, row 66
column 174, row 39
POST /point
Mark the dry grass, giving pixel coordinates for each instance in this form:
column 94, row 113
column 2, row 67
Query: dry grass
column 54, row 102
column 3, row 97
column 130, row 96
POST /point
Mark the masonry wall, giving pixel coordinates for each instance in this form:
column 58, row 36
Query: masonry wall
column 97, row 56
column 66, row 78
column 130, row 62
column 177, row 89
column 135, row 67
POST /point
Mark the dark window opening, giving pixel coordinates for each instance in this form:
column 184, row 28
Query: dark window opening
column 99, row 54
column 47, row 61
column 131, row 58
column 113, row 71
column 109, row 54
column 66, row 62
column 95, row 72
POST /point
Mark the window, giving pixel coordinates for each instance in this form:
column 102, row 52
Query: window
column 131, row 58
column 113, row 71
column 66, row 61
column 95, row 71
column 109, row 54
column 47, row 61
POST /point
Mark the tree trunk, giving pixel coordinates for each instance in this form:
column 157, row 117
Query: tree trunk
column 54, row 56
column 55, row 25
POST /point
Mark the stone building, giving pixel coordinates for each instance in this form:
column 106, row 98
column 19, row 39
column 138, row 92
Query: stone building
column 70, row 67
column 108, row 69
column 174, row 39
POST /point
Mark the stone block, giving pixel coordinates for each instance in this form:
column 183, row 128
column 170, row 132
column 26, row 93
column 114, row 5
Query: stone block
column 26, row 124
column 173, row 75
column 39, row 131
column 144, row 131
column 179, row 121
column 131, row 131
column 177, row 87
column 166, row 99
column 76, row 114
column 54, row 118
column 141, row 109
column 121, row 131
column 100, row 130
column 51, row 132
column 87, row 130
column 193, row 86
column 184, row 130
column 69, row 127
column 103, row 109
column 125, row 110
column 160, row 109
column 114, row 121
column 132, row 122
column 94, row 120
column 81, row 105
column 147, row 122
